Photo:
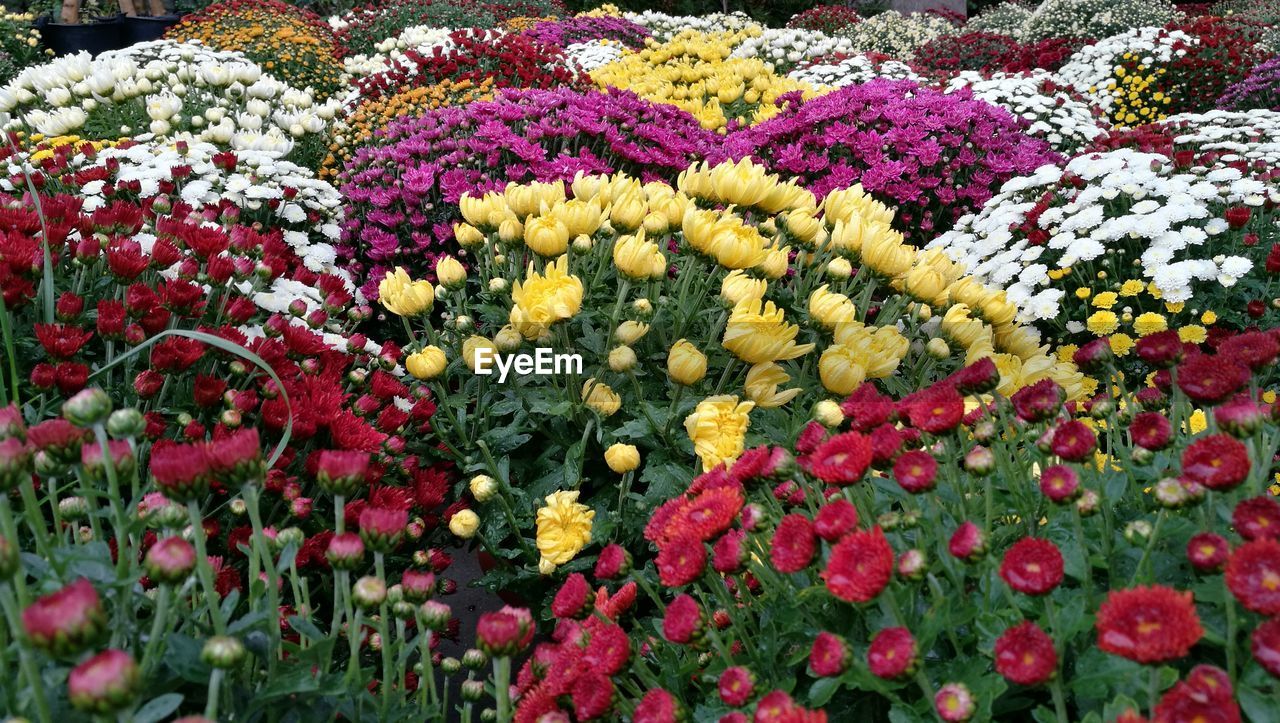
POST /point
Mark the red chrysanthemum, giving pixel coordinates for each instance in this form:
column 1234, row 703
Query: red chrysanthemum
column 737, row 685
column 1151, row 430
column 1211, row 378
column 1073, row 441
column 793, row 544
column 728, row 553
column 1025, row 655
column 916, row 471
column 1253, row 576
column 1032, row 566
column 937, row 410
column 1218, row 461
column 860, row 567
column 1204, row 697
column 1161, row 349
column 1254, row 349
column 1060, row 484
column 1257, row 518
column 608, row 650
column 681, row 561
column 1152, row 624
column 1208, row 552
column 614, row 561
column 708, row 514
column 683, row 620
column 967, row 542
column 657, row 706
column 573, row 600
column 592, row 696
column 1266, row 646
column 835, row 518
column 892, row 653
column 839, row 460
column 1038, row 401
column 829, row 655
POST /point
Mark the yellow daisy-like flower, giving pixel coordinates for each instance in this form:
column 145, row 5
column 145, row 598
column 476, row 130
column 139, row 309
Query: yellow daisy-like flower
column 1208, row 318
column 1149, row 323
column 1269, row 397
column 718, row 429
column 1197, row 422
column 1193, row 333
column 1121, row 344
column 1083, row 292
column 1101, row 323
column 1105, row 300
column 564, row 528
column 543, row 299
column 757, row 332
column 1132, row 287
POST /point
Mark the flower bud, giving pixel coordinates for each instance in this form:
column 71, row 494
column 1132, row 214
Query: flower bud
column 345, row 551
column 15, row 463
column 913, row 564
column 417, row 587
column 9, row 560
column 74, row 508
column 828, row 414
column 686, row 364
column 979, row 461
column 483, row 488
column 504, row 633
column 66, row 621
column 474, row 659
column 222, row 651
column 622, row 359
column 622, row 458
column 450, row 665
column 464, row 523
column 87, row 408
column 341, row 472
column 170, row 560
column 937, row 348
column 472, row 690
column 369, row 592
column 1138, row 532
column 1087, row 505
column 104, row 683
column 126, row 423
column 435, row 615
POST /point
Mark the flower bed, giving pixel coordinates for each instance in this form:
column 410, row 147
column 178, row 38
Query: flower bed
column 898, row 140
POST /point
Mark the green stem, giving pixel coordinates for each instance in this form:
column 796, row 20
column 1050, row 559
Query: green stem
column 204, row 570
column 1153, row 688
column 502, row 687
column 157, row 629
column 1146, row 550
column 385, row 631
column 215, row 692
column 250, row 493
column 1231, row 636
column 6, row 326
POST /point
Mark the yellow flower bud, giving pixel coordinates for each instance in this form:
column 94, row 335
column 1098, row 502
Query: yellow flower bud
column 403, row 296
column 776, row 262
column 450, row 272
column 622, row 458
column 508, row 339
column 937, row 348
column 829, row 309
column 510, row 230
column 628, row 212
column 738, row 287
column 839, row 268
column 546, row 236
column 828, row 413
column 840, row 370
column 476, row 345
column 582, row 243
column 629, row 332
column 426, row 364
column 635, row 257
column 483, row 488
column 622, row 359
column 467, row 235
column 464, row 523
column 685, row 363
column 600, row 397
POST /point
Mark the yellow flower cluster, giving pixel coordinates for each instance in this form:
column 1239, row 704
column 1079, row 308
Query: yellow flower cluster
column 296, row 48
column 525, row 22
column 1135, row 90
column 1129, row 310
column 375, row 114
column 693, row 71
column 604, row 11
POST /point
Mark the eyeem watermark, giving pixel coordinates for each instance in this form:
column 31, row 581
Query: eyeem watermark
column 543, row 362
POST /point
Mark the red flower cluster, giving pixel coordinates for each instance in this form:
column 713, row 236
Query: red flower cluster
column 1152, row 624
column 829, row 19
column 1205, row 695
column 947, row 54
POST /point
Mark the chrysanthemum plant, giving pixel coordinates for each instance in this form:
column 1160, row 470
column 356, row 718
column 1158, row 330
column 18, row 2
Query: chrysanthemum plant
column 699, row 317
column 190, row 541
column 955, row 554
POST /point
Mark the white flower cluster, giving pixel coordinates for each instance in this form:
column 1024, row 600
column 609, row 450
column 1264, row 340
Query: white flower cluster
column 897, row 35
column 588, row 56
column 1004, row 19
column 163, row 89
column 784, row 48
column 1056, row 114
column 1252, row 135
column 664, row 26
column 421, row 38
column 1131, row 203
column 1094, row 18
column 1090, row 70
column 853, row 70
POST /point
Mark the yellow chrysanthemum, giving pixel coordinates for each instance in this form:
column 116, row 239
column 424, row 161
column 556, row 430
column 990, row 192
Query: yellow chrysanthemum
column 1121, row 344
column 564, row 528
column 757, row 332
column 1193, row 333
column 1149, row 323
column 1101, row 323
column 543, row 299
column 718, row 429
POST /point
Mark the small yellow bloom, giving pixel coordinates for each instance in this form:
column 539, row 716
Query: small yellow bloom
column 1132, row 287
column 762, row 385
column 1208, row 318
column 450, row 272
column 1149, row 323
column 473, row 346
column 426, row 364
column 1101, row 323
column 543, row 299
column 1197, row 422
column 839, row 268
column 464, row 524
column 738, row 287
column 403, row 296
column 622, row 359
column 829, row 308
column 622, row 458
column 1105, row 300
column 1121, row 344
column 840, row 369
column 1083, row 292
column 1193, row 333
column 718, row 429
column 637, row 258
column 629, row 332
column 467, row 235
column 546, row 236
column 686, row 364
column 600, row 397
column 564, row 528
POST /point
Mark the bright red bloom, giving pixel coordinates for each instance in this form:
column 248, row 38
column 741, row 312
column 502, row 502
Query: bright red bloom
column 1253, row 576
column 1073, row 441
column 341, row 471
column 728, row 553
column 681, row 561
column 708, row 514
column 967, row 542
column 1032, row 565
column 793, row 544
column 592, row 696
column 1151, row 430
column 1153, row 624
column 1025, row 655
column 761, row 463
column 657, row 706
column 1255, row 349
column 916, row 471
column 181, row 471
column 892, row 653
column 840, row 460
column 65, row 621
column 1257, row 518
column 1240, row 417
column 1060, row 484
column 1205, row 696
column 1217, row 461
column 1211, row 379
column 737, row 686
column 1208, row 552
column 829, row 656
column 609, row 649
column 683, row 622
column 573, row 599
column 1038, row 401
column 505, row 632
column 1266, row 646
column 867, row 408
column 381, row 528
column 614, row 561
column 936, row 410
column 1163, row 349
column 835, row 518
column 860, row 566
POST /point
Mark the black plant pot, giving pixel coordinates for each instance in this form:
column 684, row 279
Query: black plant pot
column 96, row 37
column 140, row 29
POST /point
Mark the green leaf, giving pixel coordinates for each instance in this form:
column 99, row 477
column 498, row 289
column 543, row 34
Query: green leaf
column 822, row 690
column 305, row 628
column 157, row 709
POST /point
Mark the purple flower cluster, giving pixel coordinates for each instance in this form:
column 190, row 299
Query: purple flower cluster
column 1260, row 90
column 402, row 189
column 935, row 156
column 586, row 29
